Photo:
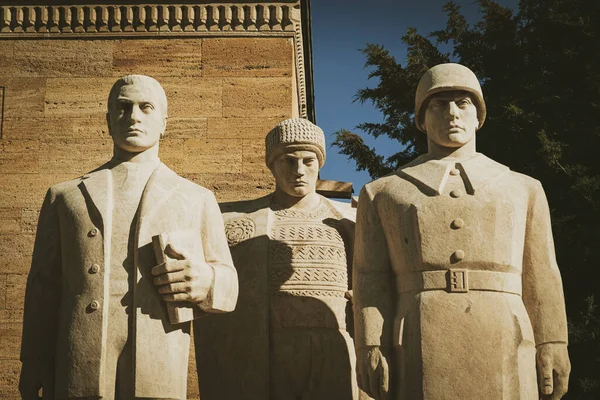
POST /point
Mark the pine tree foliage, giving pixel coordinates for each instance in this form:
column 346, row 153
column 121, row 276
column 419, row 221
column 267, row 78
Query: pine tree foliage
column 540, row 72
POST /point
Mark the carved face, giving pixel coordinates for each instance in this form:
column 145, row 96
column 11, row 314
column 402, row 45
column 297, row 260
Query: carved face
column 451, row 118
column 296, row 172
column 136, row 120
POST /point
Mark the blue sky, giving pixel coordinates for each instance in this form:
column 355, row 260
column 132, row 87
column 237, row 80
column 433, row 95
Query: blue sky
column 340, row 28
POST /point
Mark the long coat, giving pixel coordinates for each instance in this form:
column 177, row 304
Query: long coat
column 234, row 347
column 458, row 286
column 66, row 303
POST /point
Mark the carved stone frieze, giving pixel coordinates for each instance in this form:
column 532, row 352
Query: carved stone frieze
column 153, row 18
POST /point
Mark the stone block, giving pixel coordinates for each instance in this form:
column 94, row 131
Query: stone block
column 24, row 97
column 202, row 156
column 15, row 291
column 27, row 190
column 55, row 128
column 193, row 97
column 10, row 221
column 3, row 291
column 77, row 97
column 75, row 156
column 16, row 254
column 7, row 64
column 169, row 57
column 63, row 58
column 10, row 341
column 258, row 97
column 253, row 158
column 29, row 220
column 9, row 378
column 7, row 316
column 241, row 128
column 235, row 186
column 19, row 156
column 186, row 128
column 247, row 57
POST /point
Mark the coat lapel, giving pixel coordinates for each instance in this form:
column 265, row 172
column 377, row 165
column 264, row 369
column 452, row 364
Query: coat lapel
column 160, row 187
column 97, row 188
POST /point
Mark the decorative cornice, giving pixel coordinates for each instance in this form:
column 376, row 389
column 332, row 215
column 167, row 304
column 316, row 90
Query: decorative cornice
column 153, row 19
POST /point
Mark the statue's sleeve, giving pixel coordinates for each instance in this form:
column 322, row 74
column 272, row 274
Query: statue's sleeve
column 542, row 284
column 372, row 279
column 43, row 291
column 224, row 291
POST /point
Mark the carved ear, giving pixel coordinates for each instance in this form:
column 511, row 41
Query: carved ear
column 162, row 134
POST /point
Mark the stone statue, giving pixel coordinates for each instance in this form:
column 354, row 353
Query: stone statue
column 95, row 320
column 457, row 294
column 287, row 338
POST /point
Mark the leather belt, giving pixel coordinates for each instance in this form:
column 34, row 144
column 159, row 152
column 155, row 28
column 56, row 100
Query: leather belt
column 460, row 281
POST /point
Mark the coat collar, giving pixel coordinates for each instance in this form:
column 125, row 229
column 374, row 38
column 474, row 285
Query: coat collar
column 477, row 172
column 99, row 187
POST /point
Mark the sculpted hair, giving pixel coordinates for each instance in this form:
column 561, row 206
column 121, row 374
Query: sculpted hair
column 142, row 80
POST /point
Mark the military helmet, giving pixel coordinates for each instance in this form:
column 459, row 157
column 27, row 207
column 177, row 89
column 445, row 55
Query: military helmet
column 447, row 77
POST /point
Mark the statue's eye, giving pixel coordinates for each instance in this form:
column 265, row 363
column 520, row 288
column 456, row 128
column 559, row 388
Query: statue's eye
column 146, row 107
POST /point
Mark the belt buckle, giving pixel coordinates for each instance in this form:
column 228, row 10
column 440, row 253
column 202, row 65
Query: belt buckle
column 458, row 281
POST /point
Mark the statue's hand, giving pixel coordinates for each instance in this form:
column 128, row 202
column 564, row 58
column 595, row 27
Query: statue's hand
column 553, row 367
column 35, row 375
column 182, row 278
column 373, row 372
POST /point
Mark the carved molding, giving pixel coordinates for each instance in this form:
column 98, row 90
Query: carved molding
column 153, row 18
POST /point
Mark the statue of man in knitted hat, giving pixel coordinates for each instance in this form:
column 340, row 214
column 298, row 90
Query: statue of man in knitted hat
column 287, row 338
column 457, row 294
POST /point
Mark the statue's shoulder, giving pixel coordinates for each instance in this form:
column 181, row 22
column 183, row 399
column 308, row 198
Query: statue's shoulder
column 238, row 209
column 345, row 209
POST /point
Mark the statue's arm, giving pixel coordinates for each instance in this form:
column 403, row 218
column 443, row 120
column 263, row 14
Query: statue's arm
column 223, row 293
column 373, row 288
column 544, row 299
column 42, row 301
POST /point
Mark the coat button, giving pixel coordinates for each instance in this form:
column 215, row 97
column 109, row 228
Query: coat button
column 457, row 223
column 459, row 255
column 93, row 232
column 94, row 305
column 94, row 269
column 455, row 172
column 456, row 193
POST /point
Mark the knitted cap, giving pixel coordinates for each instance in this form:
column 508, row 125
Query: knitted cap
column 297, row 132
column 448, row 77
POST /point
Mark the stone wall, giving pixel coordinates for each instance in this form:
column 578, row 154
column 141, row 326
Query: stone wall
column 225, row 92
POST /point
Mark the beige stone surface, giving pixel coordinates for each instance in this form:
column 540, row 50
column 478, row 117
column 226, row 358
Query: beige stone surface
column 187, row 128
column 20, row 156
column 16, row 250
column 246, row 57
column 15, row 286
column 76, row 97
column 73, row 156
column 55, row 58
column 10, row 222
column 292, row 250
column 202, row 155
column 167, row 60
column 241, row 128
column 454, row 277
column 24, row 97
column 194, row 97
column 27, row 128
column 260, row 97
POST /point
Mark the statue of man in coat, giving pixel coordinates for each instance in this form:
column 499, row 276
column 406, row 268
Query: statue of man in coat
column 287, row 338
column 456, row 288
column 95, row 322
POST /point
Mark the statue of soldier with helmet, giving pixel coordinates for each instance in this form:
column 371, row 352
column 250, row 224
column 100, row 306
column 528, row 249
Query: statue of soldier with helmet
column 457, row 294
